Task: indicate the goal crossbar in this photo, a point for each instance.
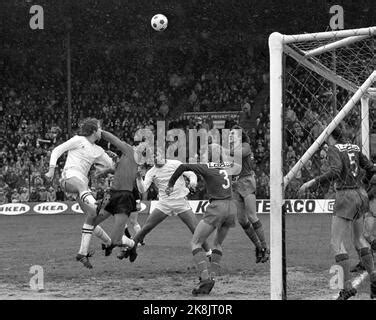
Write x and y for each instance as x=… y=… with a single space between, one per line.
x=334 y=45
x=329 y=35
x=325 y=72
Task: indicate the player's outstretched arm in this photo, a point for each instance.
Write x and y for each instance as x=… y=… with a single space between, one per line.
x=334 y=171
x=306 y=186
x=142 y=188
x=367 y=165
x=246 y=149
x=121 y=145
x=107 y=161
x=100 y=172
x=144 y=185
x=196 y=168
x=192 y=178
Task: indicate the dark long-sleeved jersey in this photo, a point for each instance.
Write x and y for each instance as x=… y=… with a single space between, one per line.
x=126 y=168
x=247 y=164
x=345 y=161
x=218 y=182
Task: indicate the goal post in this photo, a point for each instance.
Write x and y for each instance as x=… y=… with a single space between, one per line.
x=365 y=126
x=306 y=81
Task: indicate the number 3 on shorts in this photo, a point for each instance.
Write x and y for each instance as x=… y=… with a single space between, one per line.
x=227 y=185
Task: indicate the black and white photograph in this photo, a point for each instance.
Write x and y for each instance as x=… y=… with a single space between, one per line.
x=201 y=151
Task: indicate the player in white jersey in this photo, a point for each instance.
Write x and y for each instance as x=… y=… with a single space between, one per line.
x=174 y=204
x=82 y=154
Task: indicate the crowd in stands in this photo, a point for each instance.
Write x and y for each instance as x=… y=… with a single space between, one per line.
x=126 y=94
x=132 y=87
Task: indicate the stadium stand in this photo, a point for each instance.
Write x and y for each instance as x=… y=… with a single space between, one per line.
x=139 y=81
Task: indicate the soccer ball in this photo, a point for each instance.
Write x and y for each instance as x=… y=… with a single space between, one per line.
x=159 y=22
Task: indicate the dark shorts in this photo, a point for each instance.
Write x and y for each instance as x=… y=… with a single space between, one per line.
x=220 y=213
x=118 y=202
x=371 y=191
x=351 y=204
x=372 y=208
x=244 y=186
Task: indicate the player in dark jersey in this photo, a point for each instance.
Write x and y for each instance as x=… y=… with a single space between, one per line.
x=219 y=215
x=167 y=205
x=245 y=198
x=370 y=217
x=369 y=221
x=351 y=203
x=121 y=199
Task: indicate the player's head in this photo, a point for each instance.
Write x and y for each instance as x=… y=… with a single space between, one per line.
x=214 y=152
x=90 y=127
x=338 y=135
x=159 y=158
x=235 y=134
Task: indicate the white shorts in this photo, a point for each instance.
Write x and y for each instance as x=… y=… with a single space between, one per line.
x=173 y=207
x=70 y=173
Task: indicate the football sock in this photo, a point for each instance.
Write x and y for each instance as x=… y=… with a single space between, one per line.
x=126 y=232
x=87 y=197
x=127 y=242
x=250 y=232
x=209 y=253
x=87 y=231
x=200 y=259
x=342 y=260
x=101 y=234
x=215 y=266
x=136 y=227
x=367 y=259
x=373 y=245
x=257 y=226
x=359 y=256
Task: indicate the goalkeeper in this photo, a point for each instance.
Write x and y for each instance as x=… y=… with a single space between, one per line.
x=369 y=221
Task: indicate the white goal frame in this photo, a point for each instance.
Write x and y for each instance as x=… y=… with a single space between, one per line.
x=277 y=48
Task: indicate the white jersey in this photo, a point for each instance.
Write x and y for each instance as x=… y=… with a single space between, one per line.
x=161 y=176
x=82 y=154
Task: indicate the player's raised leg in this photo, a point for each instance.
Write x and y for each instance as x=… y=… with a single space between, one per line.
x=86 y=234
x=117 y=237
x=133 y=222
x=155 y=218
x=133 y=226
x=87 y=203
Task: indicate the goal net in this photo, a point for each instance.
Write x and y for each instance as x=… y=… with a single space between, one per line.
x=317 y=81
